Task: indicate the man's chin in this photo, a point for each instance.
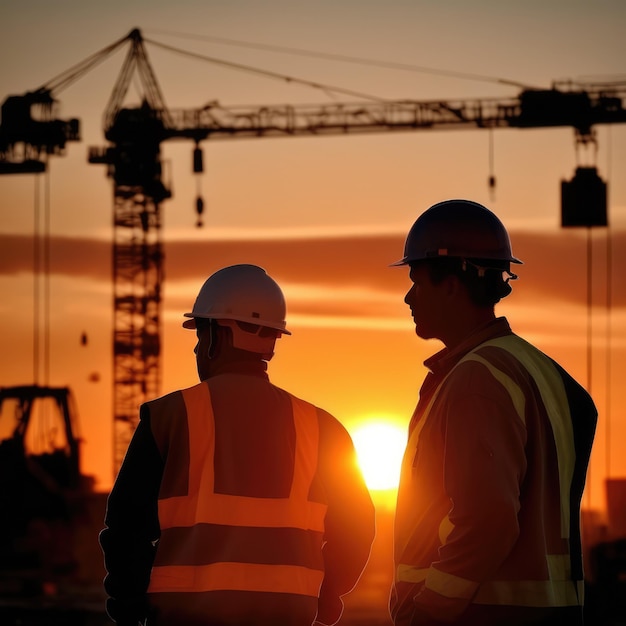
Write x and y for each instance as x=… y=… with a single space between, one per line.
x=421 y=334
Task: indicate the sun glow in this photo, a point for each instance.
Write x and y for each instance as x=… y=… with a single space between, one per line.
x=380 y=445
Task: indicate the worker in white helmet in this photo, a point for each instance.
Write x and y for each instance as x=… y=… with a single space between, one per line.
x=237 y=503
x=487 y=525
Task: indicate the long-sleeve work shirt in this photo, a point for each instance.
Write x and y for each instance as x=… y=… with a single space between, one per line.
x=254 y=458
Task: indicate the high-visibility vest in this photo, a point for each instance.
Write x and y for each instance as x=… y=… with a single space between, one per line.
x=561 y=588
x=215 y=541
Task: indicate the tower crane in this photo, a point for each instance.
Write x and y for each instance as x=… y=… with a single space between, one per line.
x=133 y=161
x=29 y=132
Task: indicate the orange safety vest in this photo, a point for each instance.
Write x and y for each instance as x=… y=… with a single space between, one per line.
x=187 y=561
x=560 y=588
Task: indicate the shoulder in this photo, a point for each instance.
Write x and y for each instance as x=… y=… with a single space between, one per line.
x=330 y=428
x=579 y=398
x=172 y=403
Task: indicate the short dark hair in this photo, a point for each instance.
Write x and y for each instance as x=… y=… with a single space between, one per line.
x=483 y=278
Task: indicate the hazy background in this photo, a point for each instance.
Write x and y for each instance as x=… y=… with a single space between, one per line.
x=324 y=216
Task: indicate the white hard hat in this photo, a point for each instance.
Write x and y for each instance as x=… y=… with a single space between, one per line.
x=242 y=293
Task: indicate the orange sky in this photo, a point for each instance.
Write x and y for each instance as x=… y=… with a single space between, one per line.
x=324 y=216
x=353 y=350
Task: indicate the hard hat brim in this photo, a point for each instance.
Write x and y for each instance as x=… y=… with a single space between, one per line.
x=399 y=263
x=408 y=261
x=191 y=323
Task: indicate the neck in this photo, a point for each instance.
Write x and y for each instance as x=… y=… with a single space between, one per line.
x=466 y=323
x=237 y=361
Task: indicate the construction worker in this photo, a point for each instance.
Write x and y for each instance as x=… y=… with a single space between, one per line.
x=237 y=503
x=487 y=520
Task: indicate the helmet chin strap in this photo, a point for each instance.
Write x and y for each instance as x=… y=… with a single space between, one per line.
x=210 y=351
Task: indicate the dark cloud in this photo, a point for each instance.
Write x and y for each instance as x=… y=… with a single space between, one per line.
x=81 y=258
x=555 y=264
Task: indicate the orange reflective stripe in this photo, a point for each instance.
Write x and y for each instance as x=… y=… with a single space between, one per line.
x=237 y=577
x=296 y=511
x=203 y=506
x=241 y=511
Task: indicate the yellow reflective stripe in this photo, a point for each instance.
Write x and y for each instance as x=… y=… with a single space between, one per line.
x=411 y=446
x=531 y=593
x=236 y=577
x=554 y=398
x=410 y=574
x=445 y=528
x=559 y=566
x=517 y=396
x=449 y=585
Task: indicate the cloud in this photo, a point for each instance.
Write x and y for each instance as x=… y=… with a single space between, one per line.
x=80 y=258
x=354 y=269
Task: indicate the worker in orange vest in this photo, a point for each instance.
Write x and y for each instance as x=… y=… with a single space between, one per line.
x=237 y=503
x=487 y=525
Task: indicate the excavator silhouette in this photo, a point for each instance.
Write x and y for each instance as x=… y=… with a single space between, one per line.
x=40 y=477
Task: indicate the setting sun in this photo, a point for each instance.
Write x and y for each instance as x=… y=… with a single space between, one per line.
x=380 y=446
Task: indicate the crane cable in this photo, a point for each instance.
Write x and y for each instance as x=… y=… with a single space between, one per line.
x=589 y=350
x=41 y=293
x=346 y=58
x=609 y=324
x=608 y=329
x=36 y=277
x=72 y=74
x=247 y=68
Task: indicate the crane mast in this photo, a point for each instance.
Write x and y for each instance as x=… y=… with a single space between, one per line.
x=133 y=160
x=134 y=163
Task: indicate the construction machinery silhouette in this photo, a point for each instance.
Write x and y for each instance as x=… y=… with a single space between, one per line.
x=31 y=133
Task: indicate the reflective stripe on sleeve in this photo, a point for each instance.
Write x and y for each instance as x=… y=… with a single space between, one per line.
x=528 y=593
x=531 y=593
x=410 y=574
x=449 y=585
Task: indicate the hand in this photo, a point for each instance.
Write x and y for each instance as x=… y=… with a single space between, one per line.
x=329 y=609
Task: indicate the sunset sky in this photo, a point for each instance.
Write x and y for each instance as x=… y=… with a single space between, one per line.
x=324 y=216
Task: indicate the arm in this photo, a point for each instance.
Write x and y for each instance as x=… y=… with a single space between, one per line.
x=350 y=522
x=131 y=527
x=484 y=465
